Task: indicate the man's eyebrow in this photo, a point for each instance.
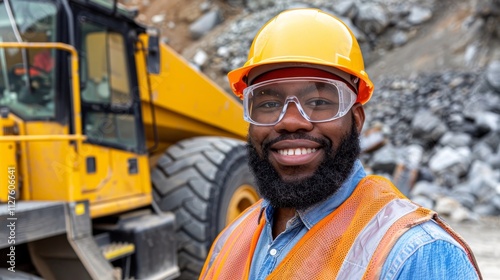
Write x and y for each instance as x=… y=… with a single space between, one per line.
x=310 y=87
x=271 y=90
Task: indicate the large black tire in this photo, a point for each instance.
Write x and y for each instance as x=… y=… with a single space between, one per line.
x=196 y=179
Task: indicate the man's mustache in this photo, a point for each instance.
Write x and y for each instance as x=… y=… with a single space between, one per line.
x=324 y=142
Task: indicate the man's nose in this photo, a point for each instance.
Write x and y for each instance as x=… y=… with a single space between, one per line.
x=292 y=120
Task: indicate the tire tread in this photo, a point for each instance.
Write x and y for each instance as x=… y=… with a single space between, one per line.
x=187 y=181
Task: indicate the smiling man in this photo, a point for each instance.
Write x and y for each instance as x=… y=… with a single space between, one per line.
x=321 y=217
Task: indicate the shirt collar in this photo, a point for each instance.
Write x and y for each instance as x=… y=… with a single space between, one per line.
x=317 y=212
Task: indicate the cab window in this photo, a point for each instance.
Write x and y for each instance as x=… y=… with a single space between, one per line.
x=107 y=98
x=27 y=76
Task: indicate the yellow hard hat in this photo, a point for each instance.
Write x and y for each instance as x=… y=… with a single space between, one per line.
x=307 y=38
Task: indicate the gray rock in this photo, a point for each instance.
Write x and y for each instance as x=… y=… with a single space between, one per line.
x=488 y=120
x=158 y=18
x=457 y=81
x=412 y=156
x=205 y=23
x=470 y=53
x=481 y=151
x=483 y=170
x=492 y=139
x=200 y=58
x=419 y=15
x=455 y=139
x=427 y=126
x=223 y=51
x=425 y=174
x=449 y=159
x=399 y=38
x=467 y=199
x=426 y=189
x=496 y=201
x=385 y=159
x=205 y=6
x=493 y=75
x=483 y=188
x=474 y=106
x=372 y=18
x=494 y=160
x=255 y=5
x=346 y=9
x=449 y=178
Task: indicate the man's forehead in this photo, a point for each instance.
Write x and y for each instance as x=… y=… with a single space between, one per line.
x=292 y=72
x=299 y=72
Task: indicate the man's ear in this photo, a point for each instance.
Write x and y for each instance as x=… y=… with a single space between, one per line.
x=359 y=116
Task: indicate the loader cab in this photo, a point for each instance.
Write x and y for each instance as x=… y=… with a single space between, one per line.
x=78 y=89
x=34 y=83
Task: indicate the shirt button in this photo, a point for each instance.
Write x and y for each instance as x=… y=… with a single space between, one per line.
x=273 y=252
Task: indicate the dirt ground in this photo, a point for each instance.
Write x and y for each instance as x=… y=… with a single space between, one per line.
x=441 y=44
x=177 y=16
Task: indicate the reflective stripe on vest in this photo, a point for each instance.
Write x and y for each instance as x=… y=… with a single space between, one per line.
x=227 y=237
x=361 y=252
x=352 y=242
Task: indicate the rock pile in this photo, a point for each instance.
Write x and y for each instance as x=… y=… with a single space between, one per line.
x=452 y=120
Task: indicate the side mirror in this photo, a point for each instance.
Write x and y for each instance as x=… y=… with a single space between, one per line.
x=153 y=60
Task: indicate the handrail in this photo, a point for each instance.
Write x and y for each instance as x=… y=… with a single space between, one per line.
x=75 y=97
x=33 y=138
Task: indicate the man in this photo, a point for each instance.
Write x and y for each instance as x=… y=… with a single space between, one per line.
x=303 y=89
x=40 y=72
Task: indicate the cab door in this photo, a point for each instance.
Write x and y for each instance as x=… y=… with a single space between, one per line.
x=116 y=169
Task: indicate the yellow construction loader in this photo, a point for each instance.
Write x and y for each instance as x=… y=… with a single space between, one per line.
x=118 y=160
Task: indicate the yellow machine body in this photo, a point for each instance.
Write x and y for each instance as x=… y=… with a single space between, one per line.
x=177 y=103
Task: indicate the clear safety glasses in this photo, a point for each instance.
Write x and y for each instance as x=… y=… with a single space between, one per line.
x=317 y=100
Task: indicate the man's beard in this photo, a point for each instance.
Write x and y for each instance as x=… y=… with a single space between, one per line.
x=325 y=181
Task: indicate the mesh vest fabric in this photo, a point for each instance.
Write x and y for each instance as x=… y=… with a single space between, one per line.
x=376 y=212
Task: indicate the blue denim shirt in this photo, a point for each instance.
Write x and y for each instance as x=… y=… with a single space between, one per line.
x=424 y=252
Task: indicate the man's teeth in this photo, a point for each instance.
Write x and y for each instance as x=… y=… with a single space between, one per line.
x=296 y=152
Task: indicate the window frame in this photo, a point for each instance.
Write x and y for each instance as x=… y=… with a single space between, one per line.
x=129 y=36
x=58 y=112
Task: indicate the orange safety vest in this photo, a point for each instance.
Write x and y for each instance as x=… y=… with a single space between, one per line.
x=352 y=242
